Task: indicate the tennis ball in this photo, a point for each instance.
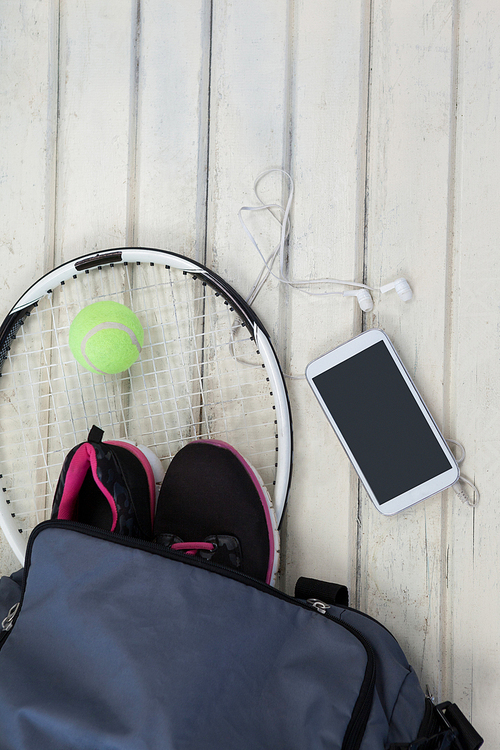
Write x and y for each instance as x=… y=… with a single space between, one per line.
x=106 y=337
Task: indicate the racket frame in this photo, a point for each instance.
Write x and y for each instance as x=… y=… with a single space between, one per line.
x=45 y=284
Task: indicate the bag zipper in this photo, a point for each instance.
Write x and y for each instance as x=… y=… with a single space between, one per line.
x=361 y=711
x=7 y=622
x=355 y=729
x=431 y=723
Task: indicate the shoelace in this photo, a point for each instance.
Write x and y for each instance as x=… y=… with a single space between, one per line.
x=191 y=548
x=221 y=548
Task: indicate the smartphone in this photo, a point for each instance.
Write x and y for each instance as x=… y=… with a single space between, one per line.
x=382 y=422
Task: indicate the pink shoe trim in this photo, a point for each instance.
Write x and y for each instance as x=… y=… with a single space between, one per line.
x=83 y=459
x=146 y=466
x=262 y=495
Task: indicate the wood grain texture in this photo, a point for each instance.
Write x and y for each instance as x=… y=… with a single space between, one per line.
x=474 y=562
x=328 y=151
x=96 y=71
x=168 y=186
x=401 y=558
x=28 y=115
x=147 y=122
x=28 y=103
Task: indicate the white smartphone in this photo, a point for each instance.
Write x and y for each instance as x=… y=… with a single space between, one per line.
x=382 y=422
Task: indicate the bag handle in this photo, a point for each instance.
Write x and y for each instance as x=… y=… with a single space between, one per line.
x=330 y=593
x=457 y=733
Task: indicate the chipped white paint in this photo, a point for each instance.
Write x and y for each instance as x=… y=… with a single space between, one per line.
x=146 y=122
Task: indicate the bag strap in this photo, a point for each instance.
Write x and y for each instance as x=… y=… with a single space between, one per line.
x=457 y=733
x=452 y=715
x=330 y=593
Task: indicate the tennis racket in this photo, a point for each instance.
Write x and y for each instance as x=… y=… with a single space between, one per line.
x=207 y=370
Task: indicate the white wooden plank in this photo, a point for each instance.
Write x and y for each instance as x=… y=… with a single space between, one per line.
x=96 y=125
x=28 y=49
x=401 y=566
x=328 y=93
x=474 y=559
x=172 y=120
x=28 y=41
x=248 y=122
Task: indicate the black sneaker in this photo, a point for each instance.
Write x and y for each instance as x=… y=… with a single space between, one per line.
x=109 y=485
x=213 y=504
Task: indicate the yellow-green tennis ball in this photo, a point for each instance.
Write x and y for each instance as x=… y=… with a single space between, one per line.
x=106 y=337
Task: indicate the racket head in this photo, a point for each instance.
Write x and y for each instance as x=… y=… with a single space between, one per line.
x=207 y=370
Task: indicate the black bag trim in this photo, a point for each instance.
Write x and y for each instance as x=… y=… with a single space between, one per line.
x=361 y=711
x=340 y=603
x=313 y=588
x=456 y=721
x=444 y=727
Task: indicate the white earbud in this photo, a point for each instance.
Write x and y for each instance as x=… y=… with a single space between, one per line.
x=364 y=299
x=402 y=288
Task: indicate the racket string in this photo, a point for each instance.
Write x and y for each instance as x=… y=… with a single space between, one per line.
x=188 y=383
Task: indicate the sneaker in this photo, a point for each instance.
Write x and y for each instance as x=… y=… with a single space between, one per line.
x=110 y=485
x=213 y=504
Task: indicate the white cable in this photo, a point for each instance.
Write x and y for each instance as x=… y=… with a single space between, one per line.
x=280 y=248
x=300 y=283
x=457 y=488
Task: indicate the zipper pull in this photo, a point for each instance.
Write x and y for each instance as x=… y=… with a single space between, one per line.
x=7 y=622
x=319 y=606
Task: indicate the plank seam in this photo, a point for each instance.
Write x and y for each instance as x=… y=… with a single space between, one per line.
x=445 y=680
x=53 y=117
x=131 y=210
x=364 y=196
x=204 y=155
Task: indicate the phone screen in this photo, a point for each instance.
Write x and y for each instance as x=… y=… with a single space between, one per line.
x=381 y=422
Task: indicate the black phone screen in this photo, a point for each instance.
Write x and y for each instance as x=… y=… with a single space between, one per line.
x=381 y=422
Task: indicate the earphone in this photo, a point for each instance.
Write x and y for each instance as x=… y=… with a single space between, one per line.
x=402 y=288
x=362 y=292
x=365 y=300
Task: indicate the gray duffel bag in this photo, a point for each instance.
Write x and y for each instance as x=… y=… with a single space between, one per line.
x=118 y=644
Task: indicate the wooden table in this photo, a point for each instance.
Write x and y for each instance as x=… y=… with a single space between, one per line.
x=145 y=122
